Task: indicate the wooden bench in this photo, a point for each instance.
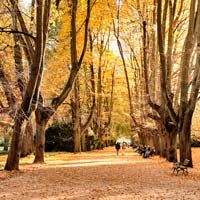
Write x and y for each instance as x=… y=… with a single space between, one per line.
x=178 y=166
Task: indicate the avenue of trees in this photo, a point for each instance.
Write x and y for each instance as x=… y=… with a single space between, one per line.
x=101 y=65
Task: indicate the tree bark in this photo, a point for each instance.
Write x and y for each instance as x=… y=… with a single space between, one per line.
x=42 y=116
x=29 y=101
x=12 y=162
x=76 y=64
x=28 y=140
x=187 y=106
x=76 y=117
x=184 y=139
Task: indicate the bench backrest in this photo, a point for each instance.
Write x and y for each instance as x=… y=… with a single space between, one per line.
x=186 y=162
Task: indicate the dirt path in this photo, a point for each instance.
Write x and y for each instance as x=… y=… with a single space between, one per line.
x=100 y=175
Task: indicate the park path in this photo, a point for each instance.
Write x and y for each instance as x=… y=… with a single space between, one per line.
x=101 y=175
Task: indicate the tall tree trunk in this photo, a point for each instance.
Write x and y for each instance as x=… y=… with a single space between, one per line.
x=167 y=114
x=27 y=144
x=76 y=117
x=172 y=146
x=184 y=139
x=99 y=95
x=187 y=106
x=86 y=126
x=153 y=60
x=28 y=140
x=47 y=112
x=42 y=116
x=29 y=101
x=12 y=162
x=162 y=145
x=156 y=142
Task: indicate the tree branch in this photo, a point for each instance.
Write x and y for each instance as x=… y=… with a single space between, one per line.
x=7 y=89
x=14 y=31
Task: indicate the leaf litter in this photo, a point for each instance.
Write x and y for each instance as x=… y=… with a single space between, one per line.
x=100 y=175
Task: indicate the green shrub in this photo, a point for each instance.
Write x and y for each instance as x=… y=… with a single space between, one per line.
x=1 y=141
x=59 y=137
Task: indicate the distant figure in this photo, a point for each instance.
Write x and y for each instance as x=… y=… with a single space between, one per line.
x=147 y=153
x=123 y=148
x=117 y=147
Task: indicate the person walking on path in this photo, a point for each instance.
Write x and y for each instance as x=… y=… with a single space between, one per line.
x=123 y=148
x=117 y=147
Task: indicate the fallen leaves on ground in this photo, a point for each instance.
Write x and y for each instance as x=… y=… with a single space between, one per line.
x=100 y=175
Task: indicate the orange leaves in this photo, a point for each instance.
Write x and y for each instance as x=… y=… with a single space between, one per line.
x=100 y=175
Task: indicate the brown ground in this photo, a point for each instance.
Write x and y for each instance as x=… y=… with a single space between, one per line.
x=101 y=175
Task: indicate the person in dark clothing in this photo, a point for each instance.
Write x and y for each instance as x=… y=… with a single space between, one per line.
x=117 y=147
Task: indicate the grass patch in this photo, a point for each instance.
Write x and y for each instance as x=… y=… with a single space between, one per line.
x=1 y=167
x=3 y=153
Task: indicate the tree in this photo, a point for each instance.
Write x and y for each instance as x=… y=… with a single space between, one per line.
x=176 y=117
x=43 y=114
x=169 y=18
x=17 y=89
x=27 y=144
x=116 y=28
x=189 y=94
x=80 y=126
x=30 y=98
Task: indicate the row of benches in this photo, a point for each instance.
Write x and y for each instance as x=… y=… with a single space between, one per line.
x=177 y=167
x=145 y=151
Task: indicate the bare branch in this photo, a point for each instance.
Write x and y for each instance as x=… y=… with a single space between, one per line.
x=2 y=30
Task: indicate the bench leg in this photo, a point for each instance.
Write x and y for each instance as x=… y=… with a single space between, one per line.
x=176 y=170
x=185 y=172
